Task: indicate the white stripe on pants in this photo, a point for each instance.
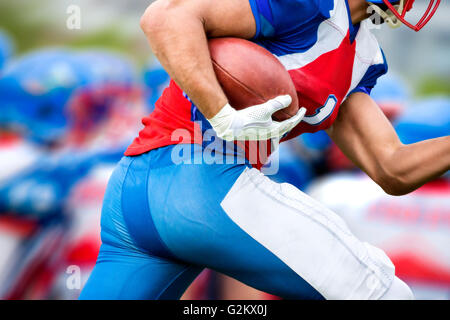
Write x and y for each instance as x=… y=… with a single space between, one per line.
x=311 y=239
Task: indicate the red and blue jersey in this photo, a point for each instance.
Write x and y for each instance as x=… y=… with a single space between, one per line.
x=327 y=57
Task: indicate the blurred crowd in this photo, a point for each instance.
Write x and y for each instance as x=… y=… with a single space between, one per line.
x=66 y=117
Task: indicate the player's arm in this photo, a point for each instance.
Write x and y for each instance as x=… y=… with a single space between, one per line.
x=177 y=31
x=367 y=138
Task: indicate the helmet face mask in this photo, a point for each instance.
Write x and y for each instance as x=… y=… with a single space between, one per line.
x=396 y=10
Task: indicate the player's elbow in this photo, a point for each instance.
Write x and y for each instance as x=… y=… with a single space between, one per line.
x=392 y=181
x=151 y=18
x=390 y=173
x=159 y=14
x=393 y=186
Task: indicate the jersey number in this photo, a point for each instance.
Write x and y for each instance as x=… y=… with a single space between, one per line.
x=323 y=112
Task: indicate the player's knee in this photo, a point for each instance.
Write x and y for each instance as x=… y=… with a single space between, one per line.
x=398 y=291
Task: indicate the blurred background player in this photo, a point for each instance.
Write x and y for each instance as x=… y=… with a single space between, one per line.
x=69 y=106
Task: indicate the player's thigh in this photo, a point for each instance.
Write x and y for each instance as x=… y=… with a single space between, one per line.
x=268 y=235
x=195 y=228
x=124 y=274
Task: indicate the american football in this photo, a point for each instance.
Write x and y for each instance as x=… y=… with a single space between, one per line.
x=250 y=75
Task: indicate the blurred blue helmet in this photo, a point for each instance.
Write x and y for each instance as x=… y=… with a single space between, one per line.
x=155 y=75
x=103 y=67
x=6 y=48
x=36 y=88
x=155 y=79
x=427 y=119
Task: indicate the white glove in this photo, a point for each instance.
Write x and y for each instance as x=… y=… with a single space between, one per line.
x=255 y=122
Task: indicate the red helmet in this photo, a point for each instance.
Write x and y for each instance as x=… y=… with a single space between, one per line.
x=394 y=15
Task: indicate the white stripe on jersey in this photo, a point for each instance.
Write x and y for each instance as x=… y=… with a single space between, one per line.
x=368 y=53
x=330 y=34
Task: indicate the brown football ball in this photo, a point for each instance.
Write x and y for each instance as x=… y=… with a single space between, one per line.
x=250 y=75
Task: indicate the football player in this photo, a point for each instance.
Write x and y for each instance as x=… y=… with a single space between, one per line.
x=168 y=213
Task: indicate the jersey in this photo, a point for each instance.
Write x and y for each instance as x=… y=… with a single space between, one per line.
x=327 y=57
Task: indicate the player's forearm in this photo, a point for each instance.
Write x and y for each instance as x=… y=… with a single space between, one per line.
x=415 y=164
x=367 y=138
x=178 y=39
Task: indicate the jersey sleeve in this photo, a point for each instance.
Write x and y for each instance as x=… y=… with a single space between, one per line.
x=283 y=17
x=369 y=80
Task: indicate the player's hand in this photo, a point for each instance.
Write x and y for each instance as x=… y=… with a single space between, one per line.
x=255 y=123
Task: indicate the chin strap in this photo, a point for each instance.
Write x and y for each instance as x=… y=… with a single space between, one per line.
x=387 y=15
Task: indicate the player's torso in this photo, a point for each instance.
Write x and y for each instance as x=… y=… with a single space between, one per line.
x=331 y=59
x=326 y=58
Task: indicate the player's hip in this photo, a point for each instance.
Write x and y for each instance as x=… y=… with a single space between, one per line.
x=146 y=193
